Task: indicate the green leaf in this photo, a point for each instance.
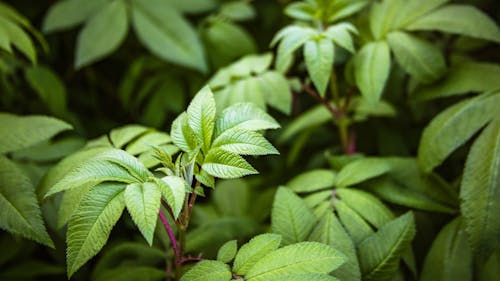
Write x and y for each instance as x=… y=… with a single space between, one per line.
x=330 y=231
x=276 y=91
x=480 y=193
x=453 y=127
x=412 y=10
x=167 y=34
x=372 y=65
x=143 y=204
x=145 y=142
x=292 y=37
x=420 y=58
x=131 y=273
x=245 y=116
x=182 y=135
x=226 y=165
x=20 y=210
x=48 y=86
x=227 y=252
x=291 y=217
x=193 y=6
x=341 y=35
x=18 y=132
x=232 y=197
x=17 y=37
x=380 y=253
x=461 y=79
x=174 y=191
x=303 y=277
x=244 y=143
x=125 y=160
x=208 y=271
x=91 y=224
x=450 y=257
x=313 y=117
x=459 y=19
x=253 y=251
x=355 y=225
x=123 y=135
x=301 y=11
x=237 y=11
x=102 y=34
x=304 y=257
x=201 y=116
x=319 y=57
x=361 y=170
x=367 y=205
x=312 y=181
x=70 y=13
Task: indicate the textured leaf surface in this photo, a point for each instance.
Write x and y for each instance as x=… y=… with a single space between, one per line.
x=459 y=19
x=418 y=57
x=123 y=135
x=380 y=253
x=361 y=170
x=143 y=204
x=353 y=222
x=227 y=251
x=182 y=135
x=367 y=205
x=173 y=189
x=312 y=181
x=91 y=224
x=319 y=56
x=291 y=217
x=226 y=165
x=201 y=116
x=453 y=127
x=20 y=210
x=102 y=34
x=450 y=257
x=480 y=191
x=20 y=132
x=244 y=142
x=67 y=14
x=208 y=271
x=304 y=257
x=257 y=248
x=371 y=69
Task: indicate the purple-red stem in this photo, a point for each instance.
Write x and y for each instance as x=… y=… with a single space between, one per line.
x=352 y=143
x=171 y=235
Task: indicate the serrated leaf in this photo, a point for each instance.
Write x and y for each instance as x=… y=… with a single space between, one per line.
x=312 y=181
x=372 y=65
x=361 y=170
x=245 y=116
x=69 y=13
x=20 y=209
x=479 y=192
x=251 y=252
x=201 y=116
x=319 y=57
x=123 y=135
x=168 y=35
x=208 y=271
x=300 y=258
x=367 y=205
x=226 y=165
x=459 y=19
x=461 y=79
x=420 y=58
x=126 y=161
x=330 y=231
x=341 y=35
x=182 y=135
x=143 y=203
x=102 y=34
x=290 y=217
x=453 y=127
x=91 y=224
x=18 y=132
x=353 y=223
x=450 y=257
x=379 y=254
x=244 y=143
x=227 y=252
x=174 y=190
x=147 y=141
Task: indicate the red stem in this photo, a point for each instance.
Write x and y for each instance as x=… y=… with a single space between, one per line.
x=171 y=236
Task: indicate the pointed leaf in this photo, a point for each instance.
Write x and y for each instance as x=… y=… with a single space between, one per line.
x=208 y=271
x=312 y=181
x=91 y=224
x=201 y=116
x=276 y=91
x=257 y=248
x=227 y=251
x=319 y=57
x=69 y=13
x=340 y=34
x=361 y=170
x=123 y=135
x=291 y=217
x=244 y=143
x=355 y=225
x=182 y=135
x=371 y=69
x=367 y=205
x=174 y=191
x=226 y=165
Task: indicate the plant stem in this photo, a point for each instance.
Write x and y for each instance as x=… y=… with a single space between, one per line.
x=171 y=236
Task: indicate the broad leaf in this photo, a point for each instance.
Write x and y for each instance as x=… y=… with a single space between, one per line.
x=291 y=217
x=361 y=170
x=414 y=10
x=147 y=141
x=102 y=34
x=453 y=127
x=126 y=161
x=20 y=210
x=208 y=271
x=182 y=135
x=21 y=132
x=353 y=222
x=292 y=37
x=309 y=119
x=244 y=143
x=449 y=257
x=341 y=35
x=253 y=251
x=174 y=190
x=418 y=57
x=131 y=273
x=367 y=205
x=312 y=181
x=167 y=34
x=459 y=19
x=303 y=277
x=226 y=165
x=480 y=192
x=201 y=116
x=319 y=57
x=304 y=257
x=143 y=204
x=380 y=253
x=276 y=91
x=227 y=252
x=372 y=66
x=91 y=224
x=121 y=136
x=49 y=88
x=69 y=13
